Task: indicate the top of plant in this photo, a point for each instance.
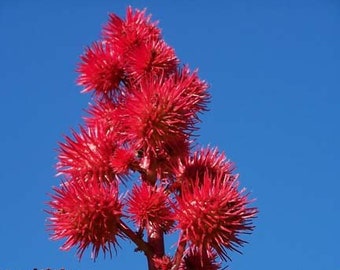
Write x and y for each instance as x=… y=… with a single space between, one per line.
x=144 y=112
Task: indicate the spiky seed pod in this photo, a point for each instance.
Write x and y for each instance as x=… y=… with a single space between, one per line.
x=213 y=214
x=86 y=157
x=151 y=59
x=86 y=214
x=122 y=160
x=161 y=109
x=102 y=113
x=131 y=32
x=148 y=205
x=194 y=91
x=202 y=161
x=100 y=70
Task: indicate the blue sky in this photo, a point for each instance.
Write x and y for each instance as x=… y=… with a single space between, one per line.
x=274 y=71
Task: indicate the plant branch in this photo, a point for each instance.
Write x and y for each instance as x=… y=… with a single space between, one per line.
x=179 y=253
x=136 y=238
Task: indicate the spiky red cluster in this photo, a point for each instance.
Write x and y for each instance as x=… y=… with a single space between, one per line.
x=87 y=156
x=205 y=160
x=212 y=212
x=142 y=121
x=149 y=205
x=86 y=213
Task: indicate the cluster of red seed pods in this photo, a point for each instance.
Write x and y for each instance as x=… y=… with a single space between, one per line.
x=140 y=128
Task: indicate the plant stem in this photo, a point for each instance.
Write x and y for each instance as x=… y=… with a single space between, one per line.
x=156 y=242
x=140 y=243
x=179 y=253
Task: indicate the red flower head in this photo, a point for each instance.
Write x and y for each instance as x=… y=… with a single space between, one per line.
x=86 y=214
x=160 y=110
x=194 y=91
x=149 y=205
x=87 y=156
x=213 y=214
x=123 y=160
x=104 y=114
x=194 y=261
x=153 y=59
x=130 y=33
x=204 y=160
x=101 y=69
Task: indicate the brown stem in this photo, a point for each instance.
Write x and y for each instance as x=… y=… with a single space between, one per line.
x=179 y=253
x=154 y=233
x=140 y=243
x=156 y=241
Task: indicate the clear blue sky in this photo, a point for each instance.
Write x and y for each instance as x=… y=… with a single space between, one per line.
x=274 y=71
